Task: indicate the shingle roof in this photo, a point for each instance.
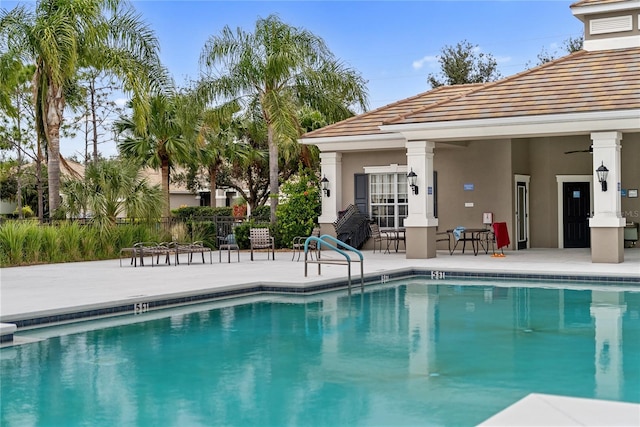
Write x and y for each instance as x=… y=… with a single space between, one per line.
x=580 y=82
x=577 y=83
x=367 y=123
x=594 y=2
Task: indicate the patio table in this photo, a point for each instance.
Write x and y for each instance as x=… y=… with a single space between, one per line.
x=395 y=235
x=473 y=235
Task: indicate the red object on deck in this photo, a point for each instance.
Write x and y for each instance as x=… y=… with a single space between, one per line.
x=502 y=234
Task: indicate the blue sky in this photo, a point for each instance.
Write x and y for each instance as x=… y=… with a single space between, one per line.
x=393 y=44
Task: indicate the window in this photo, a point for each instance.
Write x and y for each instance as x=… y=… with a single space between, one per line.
x=388 y=198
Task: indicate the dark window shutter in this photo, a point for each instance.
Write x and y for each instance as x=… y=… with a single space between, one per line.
x=361 y=182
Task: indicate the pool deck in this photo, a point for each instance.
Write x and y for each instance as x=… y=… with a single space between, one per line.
x=57 y=288
x=54 y=289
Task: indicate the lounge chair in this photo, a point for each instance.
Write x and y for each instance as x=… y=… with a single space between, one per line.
x=197 y=247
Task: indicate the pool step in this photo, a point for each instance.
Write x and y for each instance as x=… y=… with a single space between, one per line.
x=6 y=332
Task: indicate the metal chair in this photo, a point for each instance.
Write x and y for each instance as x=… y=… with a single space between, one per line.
x=260 y=238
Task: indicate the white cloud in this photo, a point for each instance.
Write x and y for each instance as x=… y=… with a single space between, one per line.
x=121 y=102
x=503 y=59
x=429 y=60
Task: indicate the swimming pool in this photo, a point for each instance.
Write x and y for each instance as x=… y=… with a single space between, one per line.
x=414 y=352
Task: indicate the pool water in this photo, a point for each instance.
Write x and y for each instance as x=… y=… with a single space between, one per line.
x=411 y=353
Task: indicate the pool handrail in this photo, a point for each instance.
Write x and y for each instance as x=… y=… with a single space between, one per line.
x=325 y=240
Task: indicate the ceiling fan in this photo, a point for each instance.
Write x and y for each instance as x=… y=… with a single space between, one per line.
x=590 y=150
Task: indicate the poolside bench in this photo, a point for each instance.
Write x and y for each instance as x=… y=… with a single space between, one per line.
x=260 y=238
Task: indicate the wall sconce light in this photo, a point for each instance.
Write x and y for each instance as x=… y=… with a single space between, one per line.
x=602 y=172
x=412 y=178
x=325 y=186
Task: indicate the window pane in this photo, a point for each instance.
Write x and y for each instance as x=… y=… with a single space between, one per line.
x=388 y=198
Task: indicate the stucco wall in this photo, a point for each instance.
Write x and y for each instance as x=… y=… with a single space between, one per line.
x=353 y=163
x=546 y=160
x=490 y=167
x=487 y=166
x=177 y=200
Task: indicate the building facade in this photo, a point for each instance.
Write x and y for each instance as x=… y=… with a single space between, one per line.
x=525 y=149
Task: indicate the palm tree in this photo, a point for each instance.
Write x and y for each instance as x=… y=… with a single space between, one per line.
x=60 y=37
x=217 y=140
x=277 y=69
x=111 y=188
x=166 y=141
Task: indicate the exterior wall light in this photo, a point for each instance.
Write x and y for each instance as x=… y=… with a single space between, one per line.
x=602 y=172
x=412 y=178
x=325 y=186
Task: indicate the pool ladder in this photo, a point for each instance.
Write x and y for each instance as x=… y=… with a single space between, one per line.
x=329 y=242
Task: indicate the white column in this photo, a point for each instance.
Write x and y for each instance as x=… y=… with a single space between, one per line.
x=420 y=160
x=331 y=167
x=607 y=204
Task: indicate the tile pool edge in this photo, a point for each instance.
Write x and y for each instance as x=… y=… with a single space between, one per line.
x=141 y=304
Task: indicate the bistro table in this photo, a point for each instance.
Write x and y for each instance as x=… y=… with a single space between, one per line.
x=395 y=235
x=473 y=235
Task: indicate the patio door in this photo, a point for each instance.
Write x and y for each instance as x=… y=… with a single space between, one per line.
x=575 y=214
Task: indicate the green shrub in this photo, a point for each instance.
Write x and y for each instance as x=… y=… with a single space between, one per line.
x=261 y=213
x=204 y=231
x=27 y=212
x=70 y=238
x=12 y=235
x=241 y=232
x=202 y=212
x=298 y=212
x=50 y=238
x=32 y=243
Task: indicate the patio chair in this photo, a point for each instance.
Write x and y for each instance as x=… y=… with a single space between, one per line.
x=377 y=236
x=445 y=236
x=227 y=243
x=299 y=241
x=260 y=238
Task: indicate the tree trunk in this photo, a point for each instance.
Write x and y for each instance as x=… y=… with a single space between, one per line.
x=213 y=173
x=39 y=181
x=54 y=110
x=165 y=187
x=94 y=120
x=274 y=188
x=19 y=159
